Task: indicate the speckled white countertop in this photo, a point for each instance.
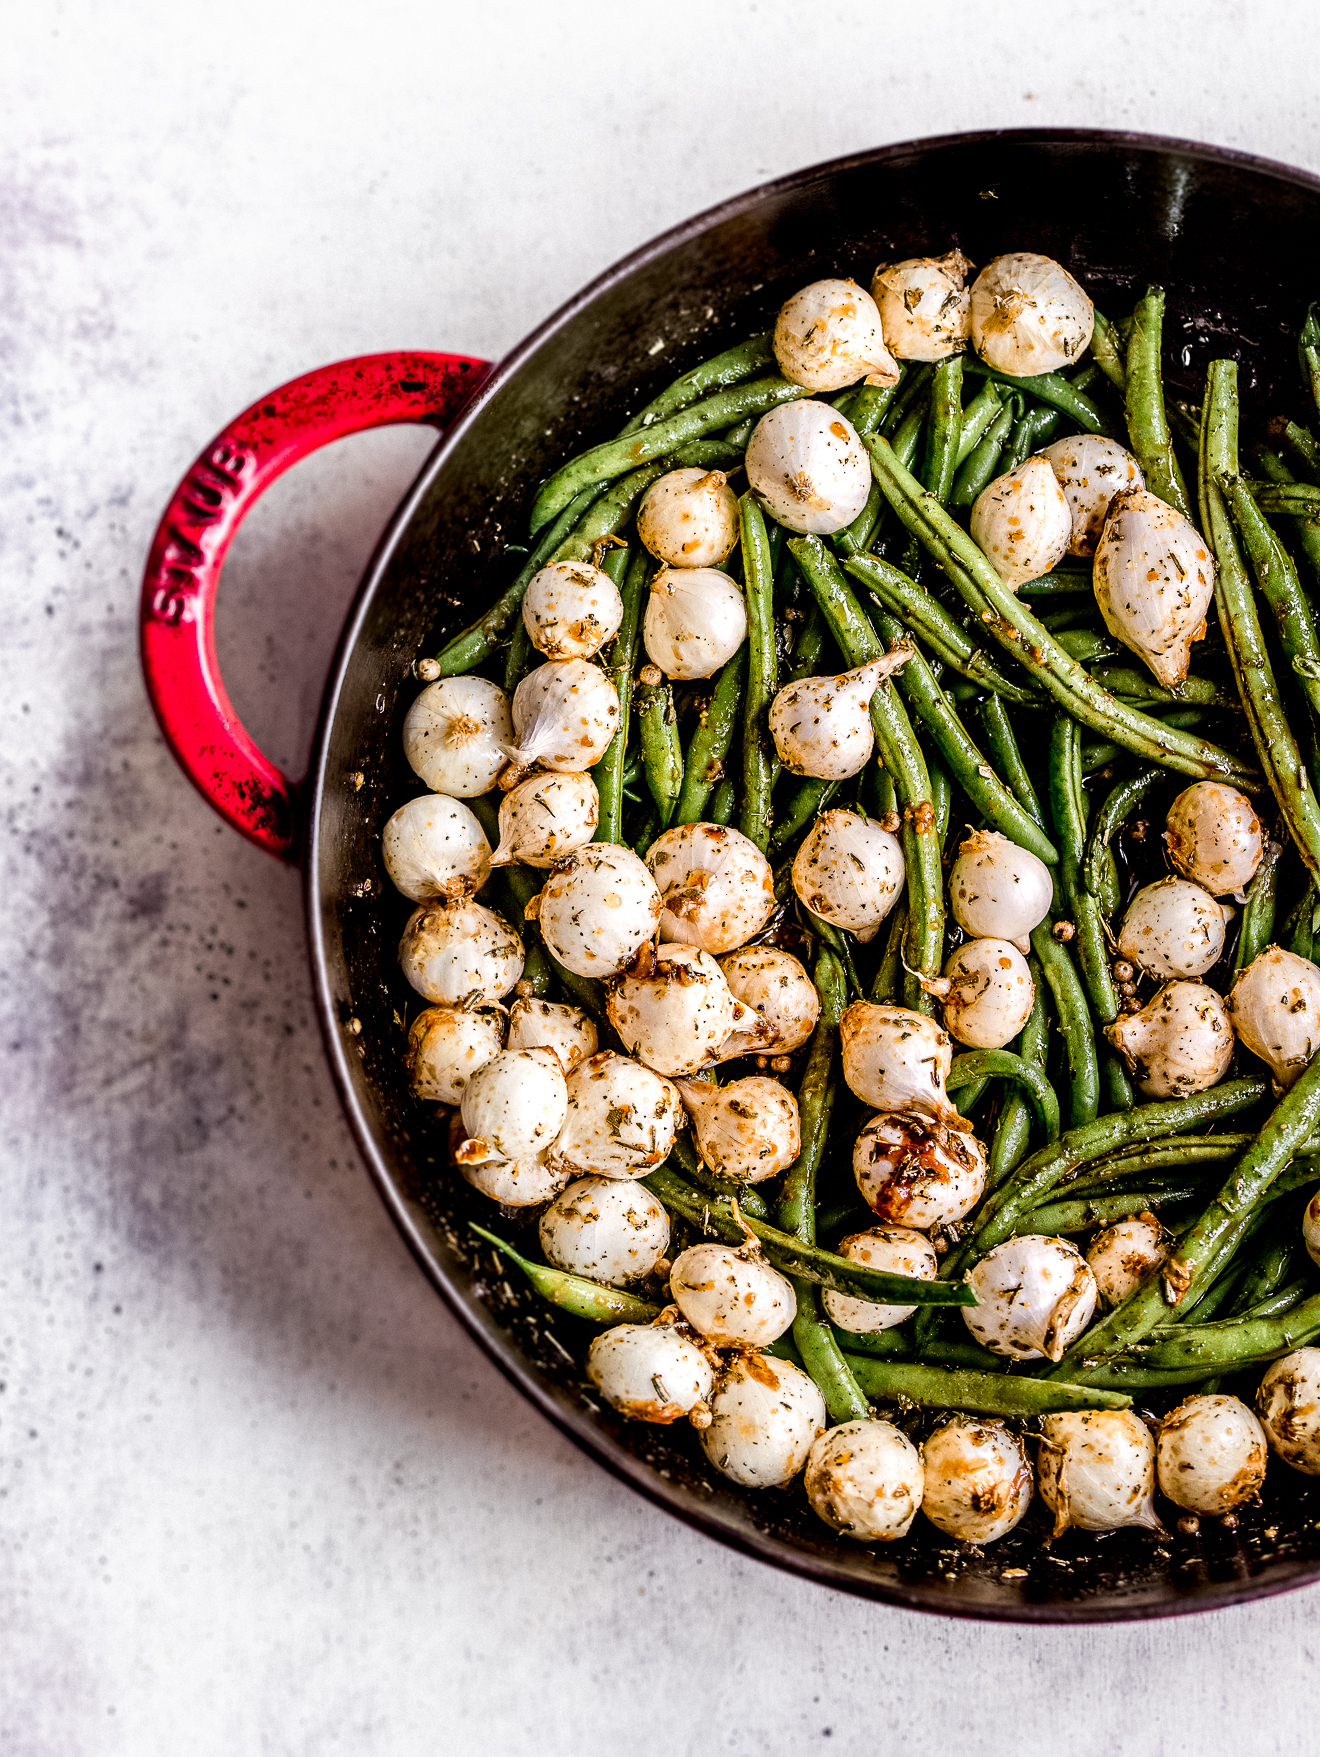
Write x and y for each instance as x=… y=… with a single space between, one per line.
x=257 y=1491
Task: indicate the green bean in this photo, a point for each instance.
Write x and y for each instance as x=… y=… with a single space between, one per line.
x=1026 y=1075
x=1294 y=618
x=840 y=944
x=941 y=796
x=536 y=969
x=982 y=462
x=479 y=639
x=574 y=1293
x=610 y=774
x=1148 y=424
x=981 y=1393
x=1302 y=441
x=856 y=538
x=750 y=1201
x=1054 y=389
x=1107 y=352
x=760 y=760
x=1291 y=1294
x=1308 y=354
x=1012 y=1133
x=1299 y=930
x=911 y=394
x=887 y=987
x=903 y=597
x=1257 y=925
x=730 y=367
x=1132 y=685
x=1003 y=747
x=610 y=511
x=603 y=463
x=1062 y=583
x=978 y=418
x=1074 y=1024
x=709 y=745
x=722 y=804
x=917 y=685
x=1080 y=1214
x=1068 y=809
x=791 y=1257
x=808 y=798
x=1011 y=622
x=1222 y=1224
x=945 y=427
x=1240 y=1341
x=1099 y=873
x=1030 y=432
x=1240 y=625
x=901 y=754
x=662 y=754
x=520 y=658
x=1095 y=756
x=809 y=646
x=1299 y=500
x=1083 y=644
x=1305 y=531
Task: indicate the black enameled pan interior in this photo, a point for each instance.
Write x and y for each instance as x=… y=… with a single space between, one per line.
x=1228 y=237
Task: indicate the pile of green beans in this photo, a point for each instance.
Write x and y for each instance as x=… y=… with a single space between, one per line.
x=1018 y=712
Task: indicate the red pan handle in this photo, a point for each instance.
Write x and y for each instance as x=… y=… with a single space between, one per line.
x=183 y=570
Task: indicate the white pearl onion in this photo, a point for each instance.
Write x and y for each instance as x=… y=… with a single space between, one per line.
x=649 y=1372
x=598 y=911
x=1091 y=471
x=822 y=725
x=1180 y=1042
x=1036 y=1295
x=513 y=1107
x=849 y=872
x=695 y=621
x=546 y=818
x=776 y=985
x=1211 y=1454
x=677 y=1014
x=621 y=1119
x=434 y=846
x=748 y=1130
x=765 y=1414
x=977 y=1479
x=897 y=1059
x=991 y=993
x=917 y=1175
x=733 y=1297
x=1288 y=1404
x=1096 y=1470
x=570 y=609
x=608 y=1229
x=925 y=305
x=896 y=1250
x=808 y=467
x=1124 y=1255
x=865 y=1479
x=998 y=890
x=1214 y=837
x=446 y=1046
x=515 y=1183
x=456 y=733
x=1174 y=928
x=1275 y=1008
x=1023 y=523
x=564 y=715
x=458 y=953
x=716 y=886
x=567 y=1031
x=689 y=518
x=1154 y=579
x=829 y=335
x=1029 y=315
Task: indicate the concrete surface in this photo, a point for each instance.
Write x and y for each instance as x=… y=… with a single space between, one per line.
x=257 y=1492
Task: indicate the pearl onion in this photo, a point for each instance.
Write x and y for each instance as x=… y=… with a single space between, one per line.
x=607 y=1229
x=1179 y=1043
x=822 y=725
x=689 y=518
x=567 y=1031
x=513 y=1107
x=676 y=1015
x=828 y=335
x=695 y=621
x=715 y=883
x=895 y=1250
x=1154 y=580
x=747 y=1131
x=1097 y=1470
x=992 y=994
x=564 y=714
x=1214 y=837
x=446 y=1046
x=455 y=735
x=515 y=1183
x=570 y=609
x=1023 y=523
x=435 y=847
x=1091 y=471
x=650 y=1372
x=865 y=1478
x=849 y=872
x=916 y=1175
x=765 y=1414
x=458 y=953
x=546 y=818
x=1174 y=928
x=621 y=1120
x=776 y=986
x=1211 y=1455
x=897 y=1059
x=1124 y=1255
x=1275 y=1008
x=808 y=467
x=977 y=1479
x=998 y=890
x=1036 y=1295
x=1288 y=1404
x=733 y=1297
x=1029 y=315
x=925 y=305
x=599 y=910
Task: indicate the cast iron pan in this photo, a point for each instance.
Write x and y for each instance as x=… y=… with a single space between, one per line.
x=1221 y=231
